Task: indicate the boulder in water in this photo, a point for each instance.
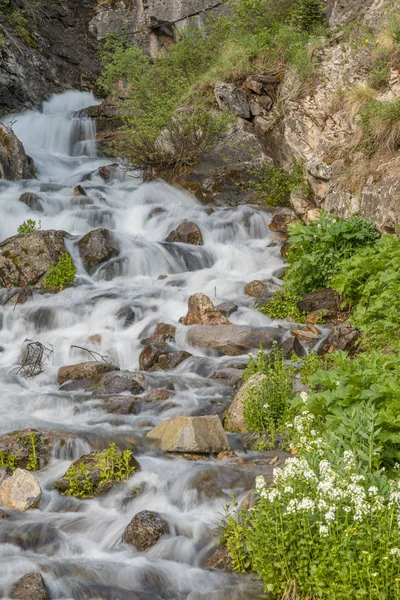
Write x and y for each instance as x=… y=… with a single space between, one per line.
x=120 y=405
x=232 y=340
x=29 y=587
x=220 y=559
x=21 y=491
x=126 y=316
x=282 y=219
x=235 y=420
x=201 y=311
x=24 y=259
x=153 y=358
x=199 y=435
x=19 y=444
x=97 y=247
x=227 y=308
x=32 y=201
x=186 y=233
x=166 y=330
x=157 y=394
x=108 y=384
x=145 y=529
x=79 y=191
x=260 y=289
x=84 y=370
x=14 y=163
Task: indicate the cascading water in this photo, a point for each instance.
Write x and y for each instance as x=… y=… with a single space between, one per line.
x=75 y=544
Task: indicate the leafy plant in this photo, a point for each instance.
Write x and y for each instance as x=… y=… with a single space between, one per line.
x=274 y=186
x=79 y=483
x=33 y=461
x=308 y=14
x=115 y=465
x=60 y=275
x=317 y=248
x=29 y=226
x=7 y=460
x=380 y=123
x=284 y=304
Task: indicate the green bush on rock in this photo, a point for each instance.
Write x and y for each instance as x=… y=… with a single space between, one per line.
x=60 y=275
x=29 y=226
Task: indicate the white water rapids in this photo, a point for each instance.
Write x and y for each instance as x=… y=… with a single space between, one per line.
x=77 y=545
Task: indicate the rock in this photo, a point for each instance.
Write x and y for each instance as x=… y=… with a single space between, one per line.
x=19 y=445
x=200 y=435
x=326 y=299
x=5 y=473
x=229 y=376
x=232 y=340
x=21 y=491
x=120 y=405
x=29 y=587
x=201 y=311
x=305 y=334
x=220 y=559
x=342 y=337
x=32 y=201
x=79 y=191
x=232 y=99
x=167 y=331
x=262 y=84
x=318 y=169
x=300 y=202
x=84 y=370
x=292 y=347
x=24 y=259
x=97 y=247
x=156 y=359
x=145 y=529
x=14 y=163
x=89 y=463
x=282 y=219
x=109 y=384
x=186 y=233
x=157 y=394
x=236 y=421
x=261 y=289
x=227 y=308
x=312 y=215
x=126 y=315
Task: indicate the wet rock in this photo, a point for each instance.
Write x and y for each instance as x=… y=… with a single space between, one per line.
x=14 y=163
x=157 y=359
x=120 y=405
x=232 y=99
x=306 y=334
x=19 y=445
x=29 y=587
x=21 y=491
x=84 y=370
x=89 y=468
x=235 y=419
x=207 y=484
x=166 y=330
x=201 y=435
x=326 y=299
x=291 y=347
x=232 y=340
x=79 y=191
x=186 y=233
x=230 y=376
x=32 y=201
x=260 y=289
x=159 y=341
x=157 y=210
x=97 y=247
x=220 y=559
x=342 y=337
x=119 y=382
x=145 y=529
x=282 y=219
x=127 y=316
x=24 y=259
x=201 y=311
x=158 y=394
x=227 y=308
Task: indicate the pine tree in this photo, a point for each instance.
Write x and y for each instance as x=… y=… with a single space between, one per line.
x=309 y=14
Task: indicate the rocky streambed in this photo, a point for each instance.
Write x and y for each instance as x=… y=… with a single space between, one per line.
x=135 y=365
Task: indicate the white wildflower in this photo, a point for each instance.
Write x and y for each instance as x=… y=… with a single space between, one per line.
x=395 y=551
x=323 y=529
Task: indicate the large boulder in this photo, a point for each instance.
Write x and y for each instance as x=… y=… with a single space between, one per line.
x=200 y=435
x=232 y=340
x=84 y=370
x=236 y=421
x=32 y=201
x=19 y=445
x=14 y=163
x=29 y=587
x=109 y=384
x=232 y=99
x=20 y=491
x=201 y=311
x=24 y=259
x=97 y=247
x=186 y=233
x=145 y=529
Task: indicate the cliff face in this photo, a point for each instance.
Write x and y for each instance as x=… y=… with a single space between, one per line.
x=150 y=24
x=51 y=52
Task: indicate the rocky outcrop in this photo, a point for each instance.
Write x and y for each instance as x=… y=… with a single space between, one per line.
x=24 y=259
x=201 y=311
x=232 y=99
x=57 y=53
x=20 y=491
x=145 y=529
x=231 y=340
x=236 y=420
x=14 y=163
x=29 y=587
x=97 y=247
x=199 y=435
x=186 y=233
x=85 y=370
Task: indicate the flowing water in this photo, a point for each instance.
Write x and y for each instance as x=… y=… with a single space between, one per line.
x=75 y=544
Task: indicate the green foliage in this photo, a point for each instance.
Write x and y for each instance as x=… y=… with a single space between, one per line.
x=309 y=14
x=274 y=186
x=284 y=304
x=380 y=124
x=33 y=461
x=257 y=16
x=7 y=460
x=29 y=226
x=79 y=483
x=115 y=464
x=317 y=248
x=60 y=275
x=370 y=281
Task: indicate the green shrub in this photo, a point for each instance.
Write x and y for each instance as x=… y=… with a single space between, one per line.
x=308 y=14
x=60 y=275
x=317 y=248
x=284 y=304
x=29 y=226
x=380 y=124
x=257 y=16
x=33 y=461
x=7 y=460
x=274 y=186
x=79 y=483
x=370 y=281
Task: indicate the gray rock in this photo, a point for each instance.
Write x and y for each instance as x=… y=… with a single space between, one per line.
x=227 y=308
x=186 y=233
x=29 y=587
x=14 y=163
x=233 y=99
x=32 y=201
x=21 y=491
x=145 y=529
x=200 y=435
x=84 y=370
x=318 y=169
x=97 y=247
x=342 y=337
x=231 y=340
